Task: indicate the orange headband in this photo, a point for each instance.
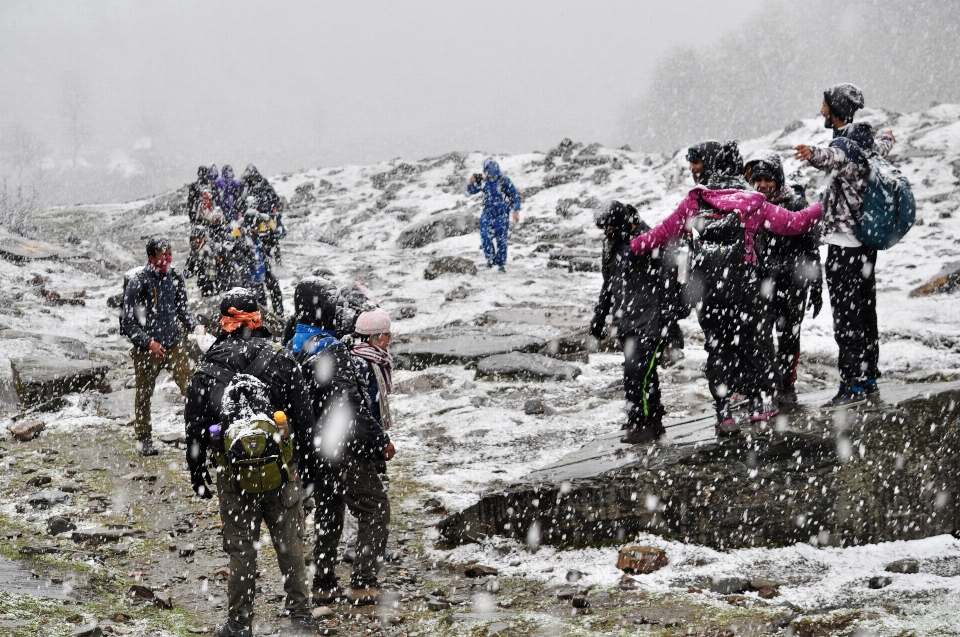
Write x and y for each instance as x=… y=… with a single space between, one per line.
x=239 y=319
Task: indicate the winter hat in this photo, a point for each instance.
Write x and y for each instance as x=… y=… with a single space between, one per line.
x=156 y=245
x=844 y=101
x=202 y=172
x=196 y=232
x=373 y=321
x=492 y=168
x=317 y=302
x=240 y=299
x=212 y=172
x=615 y=214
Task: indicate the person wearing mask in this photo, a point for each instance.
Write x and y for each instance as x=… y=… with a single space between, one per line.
x=632 y=293
x=791 y=264
x=154 y=308
x=720 y=220
x=850 y=266
x=500 y=197
x=244 y=347
x=352 y=444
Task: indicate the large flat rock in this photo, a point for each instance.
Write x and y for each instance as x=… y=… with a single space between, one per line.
x=525 y=367
x=18 y=248
x=462 y=349
x=71 y=346
x=40 y=378
x=556 y=317
x=454 y=224
x=883 y=472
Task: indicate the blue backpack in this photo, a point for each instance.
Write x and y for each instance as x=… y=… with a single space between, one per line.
x=888 y=208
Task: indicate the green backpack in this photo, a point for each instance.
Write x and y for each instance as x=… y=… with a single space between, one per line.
x=255 y=456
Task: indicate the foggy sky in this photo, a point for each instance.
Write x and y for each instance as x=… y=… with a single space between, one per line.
x=290 y=85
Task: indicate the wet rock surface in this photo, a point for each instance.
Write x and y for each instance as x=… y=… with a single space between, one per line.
x=525 y=367
x=461 y=349
x=454 y=224
x=38 y=378
x=449 y=265
x=841 y=478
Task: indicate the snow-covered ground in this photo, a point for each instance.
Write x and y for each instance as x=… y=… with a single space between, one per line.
x=469 y=435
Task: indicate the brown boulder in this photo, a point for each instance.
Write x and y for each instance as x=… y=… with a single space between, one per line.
x=641 y=559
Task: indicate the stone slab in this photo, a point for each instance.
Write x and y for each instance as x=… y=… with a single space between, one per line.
x=882 y=472
x=522 y=366
x=72 y=346
x=16 y=579
x=557 y=317
x=454 y=224
x=40 y=378
x=22 y=249
x=461 y=349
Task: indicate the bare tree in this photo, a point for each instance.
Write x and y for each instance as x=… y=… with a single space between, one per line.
x=20 y=149
x=75 y=102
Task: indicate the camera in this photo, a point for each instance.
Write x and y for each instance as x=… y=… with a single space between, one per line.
x=478 y=178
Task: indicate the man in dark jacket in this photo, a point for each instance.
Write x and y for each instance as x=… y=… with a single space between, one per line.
x=352 y=442
x=154 y=306
x=260 y=195
x=200 y=195
x=500 y=197
x=243 y=347
x=850 y=265
x=791 y=264
x=631 y=293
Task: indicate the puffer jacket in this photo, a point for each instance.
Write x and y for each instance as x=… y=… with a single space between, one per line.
x=846 y=184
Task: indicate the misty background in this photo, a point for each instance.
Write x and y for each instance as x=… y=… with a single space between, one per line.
x=111 y=100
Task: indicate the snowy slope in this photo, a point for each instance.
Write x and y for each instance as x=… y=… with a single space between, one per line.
x=468 y=435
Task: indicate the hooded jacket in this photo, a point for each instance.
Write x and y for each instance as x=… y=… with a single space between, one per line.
x=755 y=211
x=499 y=194
x=848 y=171
x=790 y=196
x=229 y=192
x=264 y=196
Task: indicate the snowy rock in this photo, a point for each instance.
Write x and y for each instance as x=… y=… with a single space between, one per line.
x=641 y=559
x=27 y=430
x=48 y=498
x=903 y=566
x=460 y=349
x=59 y=524
x=449 y=265
x=17 y=248
x=525 y=367
x=880 y=581
x=102 y=535
x=943 y=282
x=421 y=383
x=89 y=630
x=479 y=570
x=729 y=585
x=497 y=628
x=535 y=407
x=808 y=465
x=439 y=228
x=40 y=378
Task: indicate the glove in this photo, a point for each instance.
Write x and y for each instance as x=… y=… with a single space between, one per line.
x=200 y=479
x=598 y=327
x=815 y=294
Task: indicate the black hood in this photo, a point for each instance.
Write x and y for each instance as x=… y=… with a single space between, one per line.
x=317 y=302
x=766 y=162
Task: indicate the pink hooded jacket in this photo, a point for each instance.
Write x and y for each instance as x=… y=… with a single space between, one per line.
x=754 y=209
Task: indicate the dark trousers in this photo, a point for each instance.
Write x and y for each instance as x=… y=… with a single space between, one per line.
x=241 y=515
x=786 y=309
x=276 y=295
x=641 y=380
x=739 y=349
x=352 y=483
x=493 y=237
x=852 y=285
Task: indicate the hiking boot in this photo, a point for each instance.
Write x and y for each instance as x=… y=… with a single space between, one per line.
x=302 y=626
x=762 y=409
x=363 y=596
x=489 y=264
x=323 y=595
x=788 y=398
x=871 y=388
x=727 y=427
x=501 y=269
x=145 y=448
x=643 y=434
x=233 y=629
x=846 y=396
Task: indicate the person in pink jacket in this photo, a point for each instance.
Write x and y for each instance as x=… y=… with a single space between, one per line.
x=720 y=222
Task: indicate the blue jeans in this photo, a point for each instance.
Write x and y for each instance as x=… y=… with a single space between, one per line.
x=494 y=229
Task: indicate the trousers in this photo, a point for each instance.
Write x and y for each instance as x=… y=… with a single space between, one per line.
x=852 y=285
x=494 y=230
x=241 y=515
x=641 y=380
x=352 y=483
x=146 y=368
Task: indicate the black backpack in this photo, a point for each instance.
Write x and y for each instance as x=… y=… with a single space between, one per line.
x=719 y=267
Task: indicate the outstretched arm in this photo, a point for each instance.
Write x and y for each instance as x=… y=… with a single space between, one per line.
x=670 y=229
x=782 y=221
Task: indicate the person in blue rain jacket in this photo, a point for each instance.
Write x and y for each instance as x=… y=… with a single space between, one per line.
x=500 y=197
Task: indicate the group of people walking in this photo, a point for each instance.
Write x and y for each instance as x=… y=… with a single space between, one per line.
x=236 y=228
x=283 y=424
x=754 y=266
